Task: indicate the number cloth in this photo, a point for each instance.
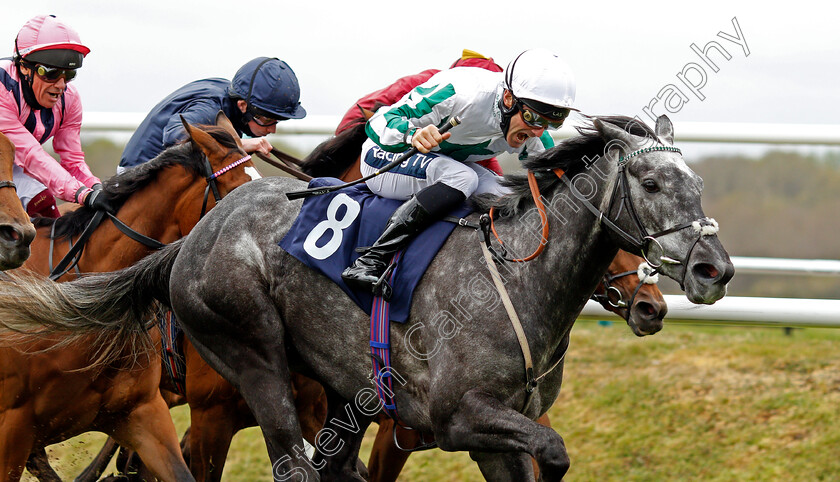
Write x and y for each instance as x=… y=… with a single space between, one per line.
x=330 y=227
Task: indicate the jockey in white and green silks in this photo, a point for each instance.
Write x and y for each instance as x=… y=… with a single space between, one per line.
x=500 y=112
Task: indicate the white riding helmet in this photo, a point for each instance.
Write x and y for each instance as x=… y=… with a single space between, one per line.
x=540 y=75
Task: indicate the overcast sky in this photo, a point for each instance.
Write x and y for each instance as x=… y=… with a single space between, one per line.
x=784 y=69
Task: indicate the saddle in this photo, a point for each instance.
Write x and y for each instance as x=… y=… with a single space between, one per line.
x=330 y=229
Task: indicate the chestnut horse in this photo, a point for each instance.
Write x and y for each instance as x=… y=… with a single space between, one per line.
x=16 y=231
x=50 y=391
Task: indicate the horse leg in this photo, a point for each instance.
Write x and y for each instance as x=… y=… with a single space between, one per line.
x=211 y=430
x=482 y=423
x=38 y=465
x=311 y=405
x=94 y=470
x=149 y=430
x=16 y=441
x=386 y=460
x=258 y=369
x=340 y=440
x=545 y=422
x=505 y=466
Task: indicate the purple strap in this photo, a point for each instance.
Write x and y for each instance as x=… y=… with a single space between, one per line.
x=380 y=347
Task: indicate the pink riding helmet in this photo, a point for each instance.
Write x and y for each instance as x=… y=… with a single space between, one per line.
x=47 y=37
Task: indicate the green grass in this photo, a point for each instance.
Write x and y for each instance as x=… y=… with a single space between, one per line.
x=690 y=403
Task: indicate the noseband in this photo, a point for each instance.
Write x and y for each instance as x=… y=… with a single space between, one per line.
x=612 y=295
x=8 y=184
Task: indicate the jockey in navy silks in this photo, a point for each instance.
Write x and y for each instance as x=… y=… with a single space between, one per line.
x=263 y=91
x=509 y=112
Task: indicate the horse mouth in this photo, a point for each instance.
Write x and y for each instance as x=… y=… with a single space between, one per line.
x=646 y=318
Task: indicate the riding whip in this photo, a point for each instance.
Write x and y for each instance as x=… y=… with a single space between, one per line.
x=407 y=154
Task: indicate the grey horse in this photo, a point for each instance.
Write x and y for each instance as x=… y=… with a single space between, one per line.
x=254 y=312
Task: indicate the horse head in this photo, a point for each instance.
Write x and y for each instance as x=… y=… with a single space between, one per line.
x=629 y=290
x=223 y=158
x=655 y=210
x=16 y=230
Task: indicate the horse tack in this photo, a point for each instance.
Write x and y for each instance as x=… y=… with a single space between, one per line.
x=71 y=259
x=613 y=296
x=535 y=193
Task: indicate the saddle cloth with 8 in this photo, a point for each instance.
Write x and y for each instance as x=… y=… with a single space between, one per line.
x=330 y=227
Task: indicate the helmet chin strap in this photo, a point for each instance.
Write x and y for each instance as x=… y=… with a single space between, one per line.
x=28 y=91
x=507 y=113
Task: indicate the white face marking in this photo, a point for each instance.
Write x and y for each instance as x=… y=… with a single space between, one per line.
x=252 y=171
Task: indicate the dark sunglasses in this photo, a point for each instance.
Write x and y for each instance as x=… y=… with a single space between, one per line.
x=260 y=119
x=537 y=121
x=264 y=121
x=52 y=74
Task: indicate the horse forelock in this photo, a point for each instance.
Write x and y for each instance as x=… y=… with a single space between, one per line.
x=118 y=189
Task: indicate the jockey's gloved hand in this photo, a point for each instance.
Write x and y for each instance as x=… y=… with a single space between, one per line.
x=97 y=200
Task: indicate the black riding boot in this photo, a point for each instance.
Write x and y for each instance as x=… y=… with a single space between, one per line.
x=409 y=220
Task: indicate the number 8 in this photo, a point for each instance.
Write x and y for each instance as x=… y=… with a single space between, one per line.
x=332 y=224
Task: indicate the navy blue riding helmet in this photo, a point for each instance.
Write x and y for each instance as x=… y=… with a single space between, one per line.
x=270 y=88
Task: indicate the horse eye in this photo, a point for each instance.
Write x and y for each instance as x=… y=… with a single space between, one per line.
x=650 y=185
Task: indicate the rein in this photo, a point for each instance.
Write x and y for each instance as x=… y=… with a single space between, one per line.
x=535 y=192
x=71 y=259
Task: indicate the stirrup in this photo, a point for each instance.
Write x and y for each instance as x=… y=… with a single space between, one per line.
x=382 y=287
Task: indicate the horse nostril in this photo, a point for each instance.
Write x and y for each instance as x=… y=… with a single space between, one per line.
x=10 y=234
x=706 y=270
x=650 y=310
x=646 y=309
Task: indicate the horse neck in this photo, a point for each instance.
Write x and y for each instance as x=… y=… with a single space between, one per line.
x=156 y=210
x=577 y=255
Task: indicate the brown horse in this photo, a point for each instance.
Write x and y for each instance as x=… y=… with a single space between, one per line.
x=16 y=231
x=641 y=304
x=50 y=392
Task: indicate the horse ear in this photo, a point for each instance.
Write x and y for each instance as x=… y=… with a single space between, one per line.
x=367 y=113
x=665 y=130
x=203 y=140
x=225 y=123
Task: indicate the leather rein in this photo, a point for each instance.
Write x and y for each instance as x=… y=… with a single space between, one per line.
x=71 y=259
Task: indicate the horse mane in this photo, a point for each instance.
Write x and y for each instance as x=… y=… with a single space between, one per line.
x=569 y=155
x=120 y=187
x=335 y=155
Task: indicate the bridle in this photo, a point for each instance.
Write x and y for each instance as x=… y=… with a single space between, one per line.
x=703 y=226
x=8 y=184
x=612 y=296
x=642 y=243
x=71 y=259
x=211 y=177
